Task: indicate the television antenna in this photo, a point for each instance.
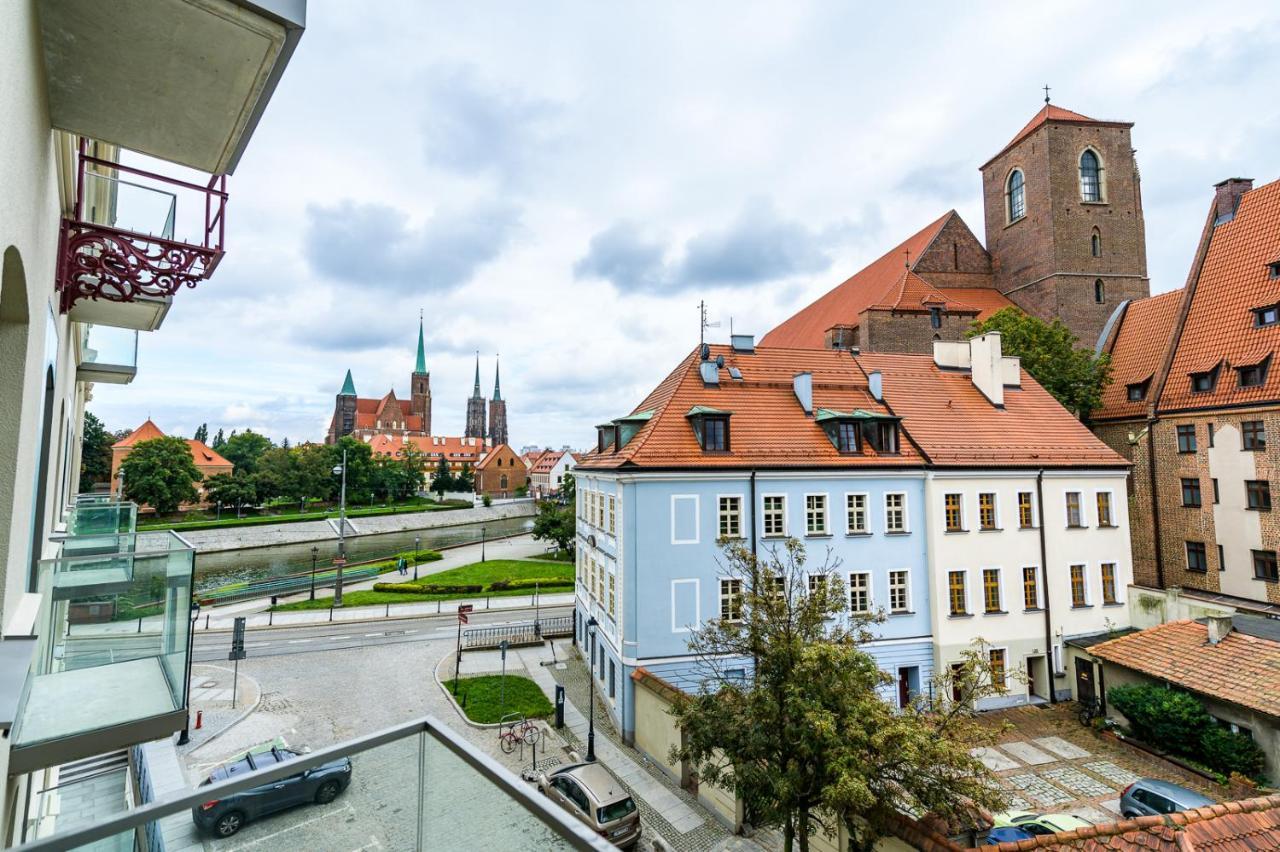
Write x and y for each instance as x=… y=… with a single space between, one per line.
x=703 y=325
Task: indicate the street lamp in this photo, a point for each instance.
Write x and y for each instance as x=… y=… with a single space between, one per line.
x=342 y=531
x=482 y=544
x=314 y=550
x=417 y=546
x=191 y=637
x=591 y=686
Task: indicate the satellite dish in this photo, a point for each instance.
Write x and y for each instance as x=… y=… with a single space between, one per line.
x=720 y=361
x=706 y=351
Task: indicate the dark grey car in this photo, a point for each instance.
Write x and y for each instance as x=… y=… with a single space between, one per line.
x=1148 y=797
x=224 y=817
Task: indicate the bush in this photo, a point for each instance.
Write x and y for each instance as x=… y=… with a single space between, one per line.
x=428 y=588
x=1165 y=718
x=487 y=500
x=423 y=556
x=1227 y=752
x=530 y=583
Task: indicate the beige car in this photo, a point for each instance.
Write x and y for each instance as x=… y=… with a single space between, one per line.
x=593 y=795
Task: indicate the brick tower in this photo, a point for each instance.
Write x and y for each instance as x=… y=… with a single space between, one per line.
x=497 y=411
x=344 y=410
x=475 y=408
x=420 y=385
x=1064 y=220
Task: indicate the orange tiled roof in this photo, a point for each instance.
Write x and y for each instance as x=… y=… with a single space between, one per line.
x=146 y=432
x=1049 y=113
x=954 y=424
x=1241 y=669
x=913 y=293
x=1232 y=281
x=547 y=461
x=453 y=449
x=495 y=453
x=206 y=456
x=1139 y=348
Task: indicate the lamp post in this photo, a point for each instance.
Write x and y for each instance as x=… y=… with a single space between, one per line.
x=417 y=546
x=482 y=544
x=314 y=551
x=191 y=637
x=591 y=692
x=342 y=531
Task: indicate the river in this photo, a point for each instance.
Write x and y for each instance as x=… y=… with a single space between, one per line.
x=262 y=563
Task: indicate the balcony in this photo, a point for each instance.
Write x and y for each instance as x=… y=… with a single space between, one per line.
x=99 y=526
x=109 y=663
x=107 y=355
x=430 y=789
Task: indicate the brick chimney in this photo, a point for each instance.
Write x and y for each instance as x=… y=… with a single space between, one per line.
x=1227 y=197
x=1219 y=626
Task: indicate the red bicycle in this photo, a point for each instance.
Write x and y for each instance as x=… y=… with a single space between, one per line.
x=514 y=730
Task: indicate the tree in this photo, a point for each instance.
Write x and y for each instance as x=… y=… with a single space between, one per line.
x=95 y=453
x=443 y=479
x=793 y=718
x=277 y=475
x=228 y=489
x=569 y=490
x=315 y=472
x=202 y=433
x=413 y=461
x=1074 y=376
x=245 y=449
x=160 y=473
x=360 y=468
x=555 y=523
x=218 y=441
x=465 y=480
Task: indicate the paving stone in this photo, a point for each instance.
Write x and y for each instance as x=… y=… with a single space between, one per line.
x=1076 y=781
x=994 y=759
x=1097 y=816
x=1017 y=803
x=1038 y=789
x=1112 y=805
x=1108 y=770
x=1028 y=753
x=1061 y=747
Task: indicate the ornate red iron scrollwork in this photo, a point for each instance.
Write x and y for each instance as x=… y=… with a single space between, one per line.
x=103 y=263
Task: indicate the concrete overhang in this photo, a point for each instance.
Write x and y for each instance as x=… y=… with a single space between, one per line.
x=144 y=313
x=182 y=80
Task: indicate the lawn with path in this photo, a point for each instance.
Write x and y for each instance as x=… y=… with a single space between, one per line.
x=487 y=698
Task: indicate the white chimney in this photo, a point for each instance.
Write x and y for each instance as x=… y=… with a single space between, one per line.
x=875 y=383
x=988 y=366
x=803 y=385
x=1219 y=626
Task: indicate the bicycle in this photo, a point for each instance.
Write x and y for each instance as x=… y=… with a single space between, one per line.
x=1090 y=710
x=519 y=731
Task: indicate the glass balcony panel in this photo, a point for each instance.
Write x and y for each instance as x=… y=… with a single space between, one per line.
x=129 y=205
x=107 y=354
x=104 y=517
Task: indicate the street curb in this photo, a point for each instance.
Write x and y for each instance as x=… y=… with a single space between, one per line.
x=384 y=618
x=237 y=720
x=435 y=674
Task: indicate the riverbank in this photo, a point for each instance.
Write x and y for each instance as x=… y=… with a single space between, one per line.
x=268 y=535
x=296 y=517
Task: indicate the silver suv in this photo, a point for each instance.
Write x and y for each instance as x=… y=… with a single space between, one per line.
x=1149 y=796
x=593 y=795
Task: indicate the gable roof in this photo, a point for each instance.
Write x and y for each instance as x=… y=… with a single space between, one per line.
x=435 y=446
x=547 y=461
x=498 y=452
x=1052 y=113
x=146 y=432
x=205 y=456
x=913 y=293
x=1138 y=349
x=1241 y=669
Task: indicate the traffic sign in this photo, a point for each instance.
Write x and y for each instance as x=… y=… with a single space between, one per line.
x=237 y=640
x=463 y=609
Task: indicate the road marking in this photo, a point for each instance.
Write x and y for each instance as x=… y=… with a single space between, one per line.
x=296 y=641
x=260 y=840
x=375 y=634
x=411 y=631
x=336 y=638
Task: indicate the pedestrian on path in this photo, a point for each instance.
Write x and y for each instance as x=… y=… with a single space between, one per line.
x=402 y=566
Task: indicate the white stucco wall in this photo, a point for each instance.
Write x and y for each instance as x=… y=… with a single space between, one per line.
x=1238 y=529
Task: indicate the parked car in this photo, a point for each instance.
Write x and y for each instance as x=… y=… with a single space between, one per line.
x=1007 y=834
x=1035 y=823
x=224 y=817
x=593 y=795
x=1149 y=796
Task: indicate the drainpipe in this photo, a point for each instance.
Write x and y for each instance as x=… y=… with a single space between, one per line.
x=753 y=513
x=1155 y=504
x=1044 y=573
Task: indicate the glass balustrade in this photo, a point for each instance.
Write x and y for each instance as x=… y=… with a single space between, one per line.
x=99 y=527
x=107 y=354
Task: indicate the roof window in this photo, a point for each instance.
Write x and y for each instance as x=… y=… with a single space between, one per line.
x=847 y=430
x=1254 y=375
x=1137 y=391
x=1206 y=381
x=711 y=428
x=1265 y=316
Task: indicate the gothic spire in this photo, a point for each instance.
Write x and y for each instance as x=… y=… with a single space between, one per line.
x=348 y=386
x=421 y=366
x=497 y=381
x=475 y=394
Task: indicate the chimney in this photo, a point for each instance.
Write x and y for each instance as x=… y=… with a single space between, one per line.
x=803 y=385
x=987 y=366
x=1219 y=626
x=875 y=382
x=1227 y=198
x=743 y=342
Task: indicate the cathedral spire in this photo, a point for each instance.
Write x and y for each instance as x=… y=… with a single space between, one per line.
x=497 y=381
x=421 y=366
x=475 y=394
x=348 y=386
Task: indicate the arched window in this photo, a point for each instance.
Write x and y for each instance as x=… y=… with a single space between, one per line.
x=1015 y=196
x=1090 y=177
x=502 y=482
x=1095 y=243
x=1099 y=291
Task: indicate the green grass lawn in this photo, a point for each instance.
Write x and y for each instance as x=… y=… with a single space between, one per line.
x=481 y=698
x=558 y=556
x=294 y=517
x=477 y=573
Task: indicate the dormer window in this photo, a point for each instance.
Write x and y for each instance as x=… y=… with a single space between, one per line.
x=1137 y=391
x=711 y=428
x=605 y=437
x=935 y=317
x=1273 y=269
x=848 y=437
x=1270 y=315
x=1254 y=375
x=847 y=430
x=1204 y=382
x=884 y=437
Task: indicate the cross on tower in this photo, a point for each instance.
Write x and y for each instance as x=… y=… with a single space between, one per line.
x=1046 y=93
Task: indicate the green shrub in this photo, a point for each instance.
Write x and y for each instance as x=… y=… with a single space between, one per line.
x=423 y=556
x=488 y=501
x=530 y=583
x=1227 y=752
x=1165 y=718
x=428 y=588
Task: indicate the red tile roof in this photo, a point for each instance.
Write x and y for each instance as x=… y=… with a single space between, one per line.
x=1138 y=351
x=954 y=424
x=146 y=432
x=913 y=293
x=1233 y=280
x=502 y=451
x=547 y=461
x=205 y=456
x=452 y=449
x=1241 y=669
x=1049 y=113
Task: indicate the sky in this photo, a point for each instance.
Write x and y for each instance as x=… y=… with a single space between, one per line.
x=560 y=184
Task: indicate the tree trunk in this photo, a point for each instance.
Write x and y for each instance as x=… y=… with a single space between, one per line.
x=802 y=828
x=788 y=835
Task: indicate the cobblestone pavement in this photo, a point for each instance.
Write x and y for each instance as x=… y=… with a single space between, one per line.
x=212 y=690
x=1060 y=766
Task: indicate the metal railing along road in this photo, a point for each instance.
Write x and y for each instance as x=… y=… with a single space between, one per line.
x=525 y=632
x=463 y=799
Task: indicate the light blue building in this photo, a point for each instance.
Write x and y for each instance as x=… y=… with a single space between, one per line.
x=761 y=446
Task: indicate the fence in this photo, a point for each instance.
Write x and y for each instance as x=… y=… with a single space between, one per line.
x=521 y=633
x=209 y=621
x=285 y=585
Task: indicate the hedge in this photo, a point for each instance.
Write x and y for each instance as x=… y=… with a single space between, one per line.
x=530 y=583
x=428 y=588
x=1227 y=751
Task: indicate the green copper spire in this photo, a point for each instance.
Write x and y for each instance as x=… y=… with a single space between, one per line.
x=497 y=382
x=475 y=394
x=348 y=387
x=422 y=350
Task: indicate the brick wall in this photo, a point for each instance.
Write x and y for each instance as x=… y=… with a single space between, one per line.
x=955 y=258
x=893 y=331
x=1129 y=440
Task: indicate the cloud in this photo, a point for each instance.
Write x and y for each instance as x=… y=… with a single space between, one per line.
x=944 y=181
x=759 y=245
x=374 y=245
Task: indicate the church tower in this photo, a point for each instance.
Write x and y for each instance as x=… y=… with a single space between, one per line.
x=420 y=385
x=475 y=408
x=344 y=411
x=497 y=411
x=1065 y=231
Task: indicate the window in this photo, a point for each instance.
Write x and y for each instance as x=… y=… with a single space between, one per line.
x=860 y=592
x=613 y=597
x=1187 y=438
x=991 y=589
x=775 y=516
x=1090 y=177
x=1209 y=430
x=1258 y=492
x=895 y=513
x=1026 y=515
x=1196 y=559
x=954 y=513
x=856 y=514
x=1015 y=196
x=1109 y=583
x=1204 y=382
x=935 y=317
x=1079 y=592
x=1253 y=435
x=613 y=513
x=987 y=511
x=1264 y=566
x=730 y=517
x=1254 y=375
x=847 y=438
x=883 y=437
x=816 y=582
x=1270 y=315
x=1031 y=588
x=613 y=675
x=730 y=600
x=715 y=434
x=1222 y=560
x=999 y=671
x=1104 y=509
x=1095 y=244
x=815 y=514
x=502 y=482
x=958 y=595
x=1099 y=291
x=1074 y=518
x=1137 y=392
x=1191 y=492
x=899 y=598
